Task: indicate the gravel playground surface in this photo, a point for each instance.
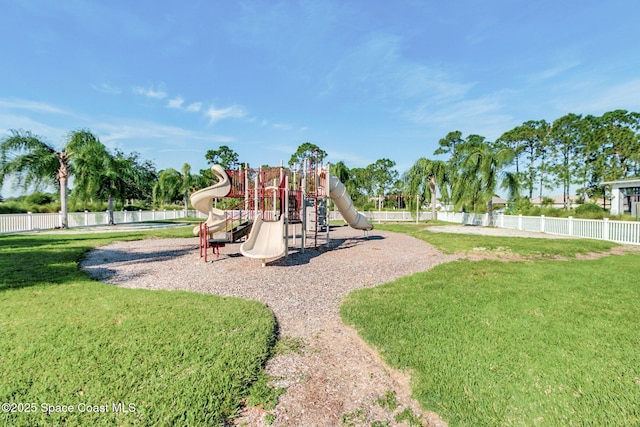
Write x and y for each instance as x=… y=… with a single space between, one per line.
x=335 y=374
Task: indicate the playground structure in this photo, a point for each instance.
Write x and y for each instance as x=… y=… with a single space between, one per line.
x=262 y=204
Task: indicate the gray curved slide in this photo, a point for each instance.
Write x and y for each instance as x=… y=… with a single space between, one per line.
x=341 y=198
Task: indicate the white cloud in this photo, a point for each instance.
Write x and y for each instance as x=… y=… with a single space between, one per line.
x=146 y=136
x=175 y=103
x=597 y=99
x=150 y=93
x=216 y=115
x=351 y=159
x=37 y=107
x=107 y=88
x=54 y=134
x=554 y=71
x=194 y=107
x=282 y=126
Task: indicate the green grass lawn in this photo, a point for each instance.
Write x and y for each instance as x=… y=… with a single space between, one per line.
x=529 y=247
x=544 y=342
x=168 y=358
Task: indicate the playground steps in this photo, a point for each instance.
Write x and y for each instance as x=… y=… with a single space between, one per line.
x=239 y=231
x=232 y=236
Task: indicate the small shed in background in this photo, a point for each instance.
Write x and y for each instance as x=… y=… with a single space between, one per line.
x=625 y=196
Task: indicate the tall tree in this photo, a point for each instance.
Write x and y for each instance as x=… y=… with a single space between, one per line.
x=566 y=150
x=449 y=143
x=306 y=151
x=464 y=189
x=484 y=168
x=188 y=183
x=528 y=139
x=424 y=178
x=382 y=176
x=144 y=177
x=358 y=185
x=617 y=142
x=340 y=171
x=88 y=166
x=101 y=174
x=223 y=156
x=32 y=161
x=169 y=187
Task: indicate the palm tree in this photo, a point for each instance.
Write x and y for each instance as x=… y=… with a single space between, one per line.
x=465 y=186
x=97 y=172
x=425 y=177
x=116 y=174
x=188 y=183
x=340 y=171
x=35 y=162
x=168 y=188
x=483 y=168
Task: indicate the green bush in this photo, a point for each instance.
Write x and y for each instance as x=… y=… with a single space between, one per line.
x=522 y=206
x=369 y=206
x=590 y=210
x=555 y=212
x=134 y=208
x=11 y=207
x=39 y=198
x=547 y=202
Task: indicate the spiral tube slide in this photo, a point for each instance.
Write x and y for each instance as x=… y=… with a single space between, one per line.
x=201 y=200
x=341 y=198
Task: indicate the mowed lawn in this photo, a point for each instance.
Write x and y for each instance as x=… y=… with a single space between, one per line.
x=549 y=341
x=78 y=352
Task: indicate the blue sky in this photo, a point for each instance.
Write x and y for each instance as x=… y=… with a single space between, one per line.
x=364 y=80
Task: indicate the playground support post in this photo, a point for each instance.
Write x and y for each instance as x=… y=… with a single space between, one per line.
x=316 y=175
x=327 y=187
x=246 y=187
x=285 y=208
x=256 y=205
x=303 y=230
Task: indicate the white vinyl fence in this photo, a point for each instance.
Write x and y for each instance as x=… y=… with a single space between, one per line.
x=605 y=229
x=14 y=223
x=385 y=216
x=615 y=231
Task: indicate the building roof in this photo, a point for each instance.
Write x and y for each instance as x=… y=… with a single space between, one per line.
x=558 y=198
x=498 y=200
x=627 y=182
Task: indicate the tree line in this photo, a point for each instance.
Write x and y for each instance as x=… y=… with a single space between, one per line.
x=572 y=151
x=526 y=161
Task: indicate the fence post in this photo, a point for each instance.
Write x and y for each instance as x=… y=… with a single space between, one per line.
x=106 y=219
x=29 y=220
x=542 y=223
x=86 y=217
x=605 y=229
x=140 y=210
x=570 y=225
x=520 y=222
